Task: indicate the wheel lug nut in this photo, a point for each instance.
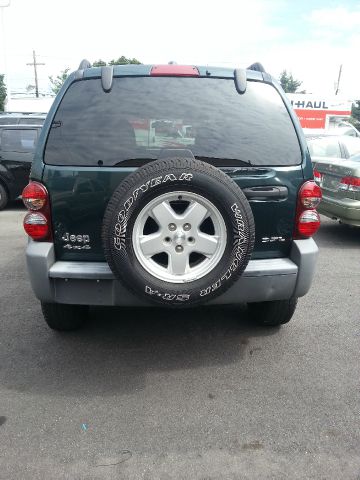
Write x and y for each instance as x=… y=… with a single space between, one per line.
x=179 y=249
x=186 y=227
x=172 y=227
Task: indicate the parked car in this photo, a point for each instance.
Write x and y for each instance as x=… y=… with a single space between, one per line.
x=227 y=218
x=344 y=128
x=325 y=146
x=22 y=118
x=336 y=162
x=17 y=146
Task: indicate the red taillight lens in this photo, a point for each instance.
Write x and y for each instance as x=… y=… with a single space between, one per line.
x=352 y=184
x=310 y=195
x=317 y=176
x=308 y=223
x=307 y=218
x=36 y=226
x=34 y=196
x=37 y=222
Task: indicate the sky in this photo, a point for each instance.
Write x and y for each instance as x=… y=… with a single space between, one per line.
x=311 y=39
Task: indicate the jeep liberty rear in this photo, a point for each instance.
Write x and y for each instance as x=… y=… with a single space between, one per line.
x=170 y=185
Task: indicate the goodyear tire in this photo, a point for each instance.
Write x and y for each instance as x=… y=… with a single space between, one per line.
x=178 y=232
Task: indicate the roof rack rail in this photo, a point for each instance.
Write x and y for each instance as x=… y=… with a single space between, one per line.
x=257 y=67
x=84 y=64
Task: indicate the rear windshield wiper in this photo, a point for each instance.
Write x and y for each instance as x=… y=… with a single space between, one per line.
x=223 y=161
x=219 y=161
x=133 y=161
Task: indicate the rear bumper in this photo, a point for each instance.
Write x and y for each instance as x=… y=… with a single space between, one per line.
x=93 y=283
x=347 y=210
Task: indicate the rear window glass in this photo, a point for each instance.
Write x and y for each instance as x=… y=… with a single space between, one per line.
x=141 y=116
x=18 y=140
x=324 y=147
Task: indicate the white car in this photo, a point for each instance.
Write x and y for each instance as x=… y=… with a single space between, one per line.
x=343 y=129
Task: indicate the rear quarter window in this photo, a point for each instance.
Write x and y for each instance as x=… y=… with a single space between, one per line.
x=18 y=140
x=141 y=116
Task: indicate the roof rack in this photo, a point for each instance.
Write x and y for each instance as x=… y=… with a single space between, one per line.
x=107 y=73
x=84 y=64
x=257 y=67
x=240 y=78
x=80 y=71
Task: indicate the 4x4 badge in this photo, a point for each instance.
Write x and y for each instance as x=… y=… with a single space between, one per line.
x=272 y=239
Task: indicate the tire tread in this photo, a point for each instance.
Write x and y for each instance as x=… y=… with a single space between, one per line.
x=189 y=165
x=63 y=317
x=277 y=312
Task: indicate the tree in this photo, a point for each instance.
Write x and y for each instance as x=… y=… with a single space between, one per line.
x=124 y=61
x=58 y=81
x=2 y=92
x=30 y=88
x=288 y=82
x=355 y=113
x=99 y=63
x=120 y=61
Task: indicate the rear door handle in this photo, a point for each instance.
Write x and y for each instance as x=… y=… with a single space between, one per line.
x=264 y=194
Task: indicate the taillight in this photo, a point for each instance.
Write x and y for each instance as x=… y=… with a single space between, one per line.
x=351 y=184
x=308 y=223
x=37 y=222
x=307 y=218
x=317 y=177
x=34 y=196
x=36 y=226
x=310 y=195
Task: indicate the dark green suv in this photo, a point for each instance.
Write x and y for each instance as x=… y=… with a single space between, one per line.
x=170 y=185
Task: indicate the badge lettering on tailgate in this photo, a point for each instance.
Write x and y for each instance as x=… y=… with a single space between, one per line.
x=76 y=241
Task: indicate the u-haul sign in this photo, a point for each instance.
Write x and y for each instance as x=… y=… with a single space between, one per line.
x=317 y=111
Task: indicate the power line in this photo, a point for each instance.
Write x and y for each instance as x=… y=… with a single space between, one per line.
x=35 y=64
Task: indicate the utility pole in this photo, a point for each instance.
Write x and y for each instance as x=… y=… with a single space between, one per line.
x=35 y=63
x=338 y=82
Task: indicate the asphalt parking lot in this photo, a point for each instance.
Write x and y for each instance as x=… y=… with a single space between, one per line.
x=155 y=394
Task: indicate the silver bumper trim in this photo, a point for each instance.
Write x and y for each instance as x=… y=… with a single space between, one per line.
x=93 y=283
x=101 y=270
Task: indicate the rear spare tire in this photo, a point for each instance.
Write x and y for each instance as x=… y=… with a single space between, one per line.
x=178 y=232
